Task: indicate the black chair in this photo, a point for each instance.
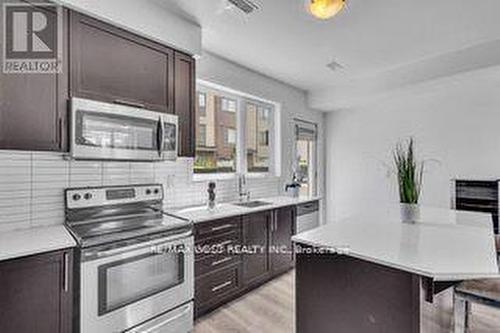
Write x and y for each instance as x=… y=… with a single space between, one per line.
x=485 y=291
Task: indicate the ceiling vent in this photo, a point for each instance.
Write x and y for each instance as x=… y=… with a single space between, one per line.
x=245 y=6
x=334 y=66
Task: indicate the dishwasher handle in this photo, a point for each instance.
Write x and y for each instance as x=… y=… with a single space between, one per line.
x=307 y=208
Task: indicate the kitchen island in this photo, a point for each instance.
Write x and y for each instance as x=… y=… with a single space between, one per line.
x=373 y=273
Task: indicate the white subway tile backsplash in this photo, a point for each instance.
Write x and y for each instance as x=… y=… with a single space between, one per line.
x=32 y=184
x=85 y=174
x=116 y=173
x=142 y=173
x=19 y=222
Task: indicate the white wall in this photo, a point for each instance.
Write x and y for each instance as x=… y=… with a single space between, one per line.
x=293 y=104
x=146 y=18
x=455 y=120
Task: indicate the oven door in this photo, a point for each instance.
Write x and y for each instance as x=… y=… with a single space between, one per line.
x=107 y=131
x=124 y=287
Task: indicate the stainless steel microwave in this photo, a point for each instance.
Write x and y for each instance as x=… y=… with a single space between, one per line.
x=105 y=131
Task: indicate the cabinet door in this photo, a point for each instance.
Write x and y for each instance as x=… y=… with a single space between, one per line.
x=255 y=236
x=112 y=65
x=36 y=294
x=282 y=230
x=184 y=74
x=33 y=109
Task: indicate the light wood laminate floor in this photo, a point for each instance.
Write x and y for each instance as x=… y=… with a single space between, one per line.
x=270 y=309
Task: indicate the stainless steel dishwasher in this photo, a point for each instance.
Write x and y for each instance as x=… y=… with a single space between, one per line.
x=307 y=216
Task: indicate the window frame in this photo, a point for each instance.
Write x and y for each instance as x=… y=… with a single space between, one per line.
x=274 y=135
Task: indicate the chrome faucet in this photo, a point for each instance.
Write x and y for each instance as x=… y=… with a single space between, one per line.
x=243 y=193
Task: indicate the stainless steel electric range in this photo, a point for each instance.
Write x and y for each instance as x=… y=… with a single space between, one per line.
x=136 y=262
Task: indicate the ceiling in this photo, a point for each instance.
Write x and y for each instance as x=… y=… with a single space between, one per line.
x=374 y=41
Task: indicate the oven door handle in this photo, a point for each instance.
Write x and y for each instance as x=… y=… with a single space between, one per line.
x=108 y=253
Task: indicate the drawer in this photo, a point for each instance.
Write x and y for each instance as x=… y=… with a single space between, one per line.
x=208 y=264
x=307 y=208
x=215 y=287
x=217 y=227
x=216 y=245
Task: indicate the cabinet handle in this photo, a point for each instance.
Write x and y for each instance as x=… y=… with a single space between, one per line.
x=66 y=272
x=59 y=133
x=127 y=103
x=274 y=225
x=222 y=286
x=222 y=227
x=218 y=262
x=180 y=148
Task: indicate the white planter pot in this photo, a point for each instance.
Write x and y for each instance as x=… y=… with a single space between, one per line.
x=410 y=213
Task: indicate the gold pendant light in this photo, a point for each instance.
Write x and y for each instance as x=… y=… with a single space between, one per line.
x=325 y=9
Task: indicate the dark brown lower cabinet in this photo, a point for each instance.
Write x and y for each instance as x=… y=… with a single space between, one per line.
x=226 y=274
x=217 y=288
x=217 y=267
x=256 y=243
x=283 y=228
x=36 y=293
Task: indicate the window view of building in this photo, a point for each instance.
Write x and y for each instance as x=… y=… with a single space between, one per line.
x=215 y=134
x=305 y=152
x=258 y=125
x=202 y=102
x=222 y=120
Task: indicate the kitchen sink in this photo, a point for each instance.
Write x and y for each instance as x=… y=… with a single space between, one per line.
x=252 y=204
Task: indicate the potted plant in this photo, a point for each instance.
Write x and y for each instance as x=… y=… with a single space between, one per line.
x=409 y=173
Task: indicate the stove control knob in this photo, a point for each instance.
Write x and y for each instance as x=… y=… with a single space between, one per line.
x=88 y=196
x=76 y=197
x=157 y=191
x=148 y=191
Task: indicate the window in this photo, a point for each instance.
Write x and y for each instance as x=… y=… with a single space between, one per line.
x=258 y=125
x=228 y=105
x=229 y=136
x=235 y=134
x=305 y=152
x=216 y=134
x=202 y=135
x=202 y=102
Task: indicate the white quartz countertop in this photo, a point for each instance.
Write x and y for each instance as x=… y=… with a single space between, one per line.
x=25 y=242
x=202 y=213
x=445 y=245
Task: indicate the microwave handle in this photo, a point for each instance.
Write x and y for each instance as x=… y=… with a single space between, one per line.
x=161 y=137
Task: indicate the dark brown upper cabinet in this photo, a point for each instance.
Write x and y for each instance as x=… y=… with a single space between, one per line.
x=113 y=65
x=36 y=293
x=33 y=108
x=184 y=73
x=282 y=230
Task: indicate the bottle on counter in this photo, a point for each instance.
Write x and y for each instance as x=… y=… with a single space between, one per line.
x=211 y=195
